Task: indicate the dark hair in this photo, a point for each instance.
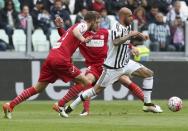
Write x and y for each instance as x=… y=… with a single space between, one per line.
x=155 y=5
x=7 y=2
x=91 y=16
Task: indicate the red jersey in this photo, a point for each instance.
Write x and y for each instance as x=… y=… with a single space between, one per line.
x=69 y=43
x=95 y=51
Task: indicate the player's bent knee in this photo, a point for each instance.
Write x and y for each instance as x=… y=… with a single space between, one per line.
x=98 y=89
x=125 y=80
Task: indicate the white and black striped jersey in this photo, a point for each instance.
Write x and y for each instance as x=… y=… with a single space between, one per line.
x=118 y=56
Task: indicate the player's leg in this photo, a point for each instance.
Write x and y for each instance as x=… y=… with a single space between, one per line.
x=74 y=91
x=85 y=95
x=147 y=76
x=8 y=107
x=134 y=88
x=86 y=104
x=68 y=73
x=108 y=77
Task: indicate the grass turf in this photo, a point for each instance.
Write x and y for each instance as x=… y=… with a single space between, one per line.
x=105 y=116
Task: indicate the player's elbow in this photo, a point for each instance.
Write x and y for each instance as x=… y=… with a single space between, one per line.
x=115 y=43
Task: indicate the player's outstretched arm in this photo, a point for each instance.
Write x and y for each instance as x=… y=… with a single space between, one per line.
x=123 y=39
x=78 y=34
x=59 y=23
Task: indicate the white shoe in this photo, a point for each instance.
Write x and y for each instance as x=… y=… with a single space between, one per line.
x=7 y=111
x=150 y=107
x=84 y=113
x=60 y=110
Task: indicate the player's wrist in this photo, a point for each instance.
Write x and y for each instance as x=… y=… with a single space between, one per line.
x=82 y=39
x=59 y=27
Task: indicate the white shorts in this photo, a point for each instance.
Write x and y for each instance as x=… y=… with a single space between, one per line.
x=109 y=76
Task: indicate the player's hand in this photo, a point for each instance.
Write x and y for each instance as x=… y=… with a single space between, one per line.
x=143 y=36
x=87 y=39
x=58 y=22
x=133 y=33
x=135 y=51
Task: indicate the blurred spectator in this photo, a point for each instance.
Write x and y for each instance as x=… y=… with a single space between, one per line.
x=175 y=11
x=133 y=4
x=113 y=6
x=98 y=5
x=150 y=16
x=58 y=10
x=79 y=4
x=23 y=17
x=159 y=33
x=28 y=3
x=81 y=14
x=66 y=5
x=139 y=15
x=177 y=30
x=163 y=5
x=16 y=4
x=41 y=18
x=9 y=20
x=105 y=21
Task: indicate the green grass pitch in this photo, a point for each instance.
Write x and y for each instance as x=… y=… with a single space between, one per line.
x=105 y=116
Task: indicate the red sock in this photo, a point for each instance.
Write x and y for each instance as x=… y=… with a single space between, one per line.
x=72 y=93
x=23 y=96
x=86 y=103
x=136 y=90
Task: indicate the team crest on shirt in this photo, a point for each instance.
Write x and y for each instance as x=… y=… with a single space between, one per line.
x=101 y=36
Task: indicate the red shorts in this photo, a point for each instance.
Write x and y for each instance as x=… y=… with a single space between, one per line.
x=96 y=70
x=56 y=67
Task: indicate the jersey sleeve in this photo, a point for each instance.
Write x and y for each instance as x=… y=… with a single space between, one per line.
x=116 y=31
x=82 y=27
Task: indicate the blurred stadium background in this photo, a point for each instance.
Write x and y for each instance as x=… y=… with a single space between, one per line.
x=27 y=33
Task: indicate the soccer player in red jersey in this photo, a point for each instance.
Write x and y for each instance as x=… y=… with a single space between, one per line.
x=58 y=64
x=94 y=53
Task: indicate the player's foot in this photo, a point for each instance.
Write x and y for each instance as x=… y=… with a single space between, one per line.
x=150 y=107
x=7 y=110
x=68 y=109
x=60 y=110
x=84 y=113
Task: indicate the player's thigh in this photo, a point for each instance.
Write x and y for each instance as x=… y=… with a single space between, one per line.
x=91 y=77
x=132 y=67
x=109 y=76
x=66 y=71
x=93 y=73
x=46 y=73
x=125 y=80
x=82 y=79
x=143 y=72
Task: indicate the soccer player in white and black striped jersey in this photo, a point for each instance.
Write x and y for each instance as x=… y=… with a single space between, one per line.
x=118 y=63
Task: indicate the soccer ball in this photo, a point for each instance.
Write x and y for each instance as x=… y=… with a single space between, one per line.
x=175 y=104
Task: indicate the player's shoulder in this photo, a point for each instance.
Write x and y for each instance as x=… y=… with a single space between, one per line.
x=103 y=30
x=117 y=26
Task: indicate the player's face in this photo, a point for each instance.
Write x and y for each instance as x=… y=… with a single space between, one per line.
x=128 y=19
x=96 y=26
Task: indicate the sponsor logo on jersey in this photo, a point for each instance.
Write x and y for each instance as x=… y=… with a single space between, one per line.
x=95 y=43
